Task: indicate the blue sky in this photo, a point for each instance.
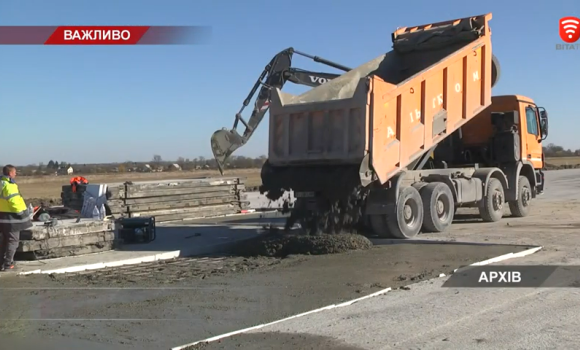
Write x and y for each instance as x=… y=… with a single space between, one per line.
x=97 y=104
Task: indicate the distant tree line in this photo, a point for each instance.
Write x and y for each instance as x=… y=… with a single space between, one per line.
x=55 y=165
x=157 y=163
x=552 y=150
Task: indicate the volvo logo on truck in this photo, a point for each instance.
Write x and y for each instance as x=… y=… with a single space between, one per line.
x=318 y=80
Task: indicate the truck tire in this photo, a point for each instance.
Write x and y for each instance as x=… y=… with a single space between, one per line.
x=491 y=206
x=379 y=226
x=495 y=70
x=406 y=218
x=521 y=207
x=438 y=207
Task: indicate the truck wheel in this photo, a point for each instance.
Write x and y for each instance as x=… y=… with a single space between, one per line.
x=495 y=70
x=405 y=219
x=521 y=207
x=491 y=206
x=438 y=207
x=379 y=226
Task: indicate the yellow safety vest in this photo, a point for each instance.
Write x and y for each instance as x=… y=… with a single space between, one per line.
x=14 y=215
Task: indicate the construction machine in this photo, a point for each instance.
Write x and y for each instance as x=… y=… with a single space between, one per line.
x=224 y=142
x=403 y=140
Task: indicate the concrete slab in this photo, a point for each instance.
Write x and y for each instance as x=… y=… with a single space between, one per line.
x=172 y=242
x=204 y=297
x=196 y=237
x=233 y=343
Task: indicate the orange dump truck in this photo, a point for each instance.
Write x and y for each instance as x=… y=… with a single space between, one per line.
x=419 y=128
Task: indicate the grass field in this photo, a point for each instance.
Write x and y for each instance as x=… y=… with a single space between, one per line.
x=50 y=186
x=559 y=161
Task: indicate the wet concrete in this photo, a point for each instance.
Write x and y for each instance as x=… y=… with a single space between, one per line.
x=281 y=243
x=429 y=316
x=155 y=306
x=277 y=341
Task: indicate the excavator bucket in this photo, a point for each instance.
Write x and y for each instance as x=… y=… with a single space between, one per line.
x=223 y=143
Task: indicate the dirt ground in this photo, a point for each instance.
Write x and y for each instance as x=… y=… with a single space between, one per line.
x=49 y=187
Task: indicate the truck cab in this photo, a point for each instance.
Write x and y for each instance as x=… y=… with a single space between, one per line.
x=508 y=134
x=533 y=121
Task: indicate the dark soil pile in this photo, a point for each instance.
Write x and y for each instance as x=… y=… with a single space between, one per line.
x=281 y=244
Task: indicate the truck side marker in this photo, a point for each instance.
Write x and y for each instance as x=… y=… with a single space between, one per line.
x=348 y=303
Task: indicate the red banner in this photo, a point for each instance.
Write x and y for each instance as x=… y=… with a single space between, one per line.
x=102 y=35
x=113 y=35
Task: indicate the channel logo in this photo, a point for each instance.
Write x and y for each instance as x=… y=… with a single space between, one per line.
x=570 y=29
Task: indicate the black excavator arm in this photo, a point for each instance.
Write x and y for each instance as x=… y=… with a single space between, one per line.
x=224 y=142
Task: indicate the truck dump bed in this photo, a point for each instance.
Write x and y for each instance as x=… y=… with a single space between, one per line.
x=392 y=109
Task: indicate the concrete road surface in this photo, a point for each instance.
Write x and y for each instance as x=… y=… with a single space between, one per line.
x=157 y=306
x=430 y=317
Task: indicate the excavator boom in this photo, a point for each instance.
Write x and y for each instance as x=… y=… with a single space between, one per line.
x=224 y=142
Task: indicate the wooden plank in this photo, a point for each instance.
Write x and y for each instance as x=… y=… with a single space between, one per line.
x=117 y=210
x=152 y=185
x=118 y=193
x=181 y=204
x=65 y=251
x=158 y=196
x=202 y=192
x=64 y=230
x=185 y=189
x=192 y=216
x=66 y=241
x=173 y=192
x=215 y=181
x=113 y=202
x=177 y=197
x=181 y=210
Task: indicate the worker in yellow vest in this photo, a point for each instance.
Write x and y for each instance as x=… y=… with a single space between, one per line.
x=14 y=217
